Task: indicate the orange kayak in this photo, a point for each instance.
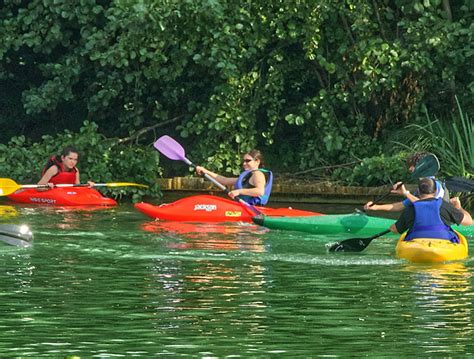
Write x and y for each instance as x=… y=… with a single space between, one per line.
x=206 y=208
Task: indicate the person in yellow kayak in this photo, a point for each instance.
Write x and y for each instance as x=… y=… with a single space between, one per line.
x=412 y=161
x=431 y=217
x=253 y=185
x=62 y=169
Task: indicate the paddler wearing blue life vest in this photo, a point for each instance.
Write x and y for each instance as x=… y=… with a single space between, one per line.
x=431 y=217
x=412 y=161
x=62 y=169
x=253 y=185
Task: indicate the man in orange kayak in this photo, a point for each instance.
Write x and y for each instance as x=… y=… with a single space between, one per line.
x=62 y=169
x=253 y=185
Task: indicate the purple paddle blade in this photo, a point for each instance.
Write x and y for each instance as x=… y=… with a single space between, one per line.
x=170 y=148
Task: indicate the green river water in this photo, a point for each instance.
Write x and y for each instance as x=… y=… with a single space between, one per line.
x=112 y=283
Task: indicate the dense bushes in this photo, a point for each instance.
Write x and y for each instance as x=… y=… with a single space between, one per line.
x=100 y=160
x=312 y=83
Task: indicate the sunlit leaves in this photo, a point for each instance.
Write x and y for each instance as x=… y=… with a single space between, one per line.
x=330 y=79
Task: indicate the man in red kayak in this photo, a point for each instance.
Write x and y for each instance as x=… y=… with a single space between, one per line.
x=253 y=185
x=62 y=169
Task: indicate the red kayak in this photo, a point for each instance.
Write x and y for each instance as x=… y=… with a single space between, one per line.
x=63 y=196
x=206 y=208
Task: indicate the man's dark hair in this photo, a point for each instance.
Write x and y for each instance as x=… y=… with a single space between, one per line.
x=426 y=186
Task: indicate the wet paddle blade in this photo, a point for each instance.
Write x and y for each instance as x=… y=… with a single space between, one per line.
x=426 y=167
x=350 y=245
x=170 y=148
x=460 y=184
x=8 y=186
x=353 y=244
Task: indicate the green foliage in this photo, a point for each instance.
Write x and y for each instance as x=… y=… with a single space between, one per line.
x=333 y=77
x=376 y=171
x=452 y=140
x=100 y=160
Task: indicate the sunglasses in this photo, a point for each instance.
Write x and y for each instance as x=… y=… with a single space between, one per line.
x=247 y=160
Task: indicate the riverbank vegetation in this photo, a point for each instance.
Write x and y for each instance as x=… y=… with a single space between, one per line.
x=340 y=90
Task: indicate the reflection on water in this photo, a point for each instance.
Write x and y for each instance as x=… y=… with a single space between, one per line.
x=111 y=283
x=442 y=298
x=210 y=236
x=7 y=212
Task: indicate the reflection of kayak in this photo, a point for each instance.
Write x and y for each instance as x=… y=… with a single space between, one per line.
x=206 y=208
x=356 y=223
x=8 y=211
x=430 y=250
x=194 y=229
x=208 y=236
x=63 y=196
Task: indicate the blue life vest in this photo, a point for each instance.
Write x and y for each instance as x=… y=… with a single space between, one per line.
x=243 y=182
x=428 y=222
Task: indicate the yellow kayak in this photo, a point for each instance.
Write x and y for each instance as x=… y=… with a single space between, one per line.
x=431 y=250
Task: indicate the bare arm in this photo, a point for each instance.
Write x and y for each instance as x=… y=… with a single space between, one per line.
x=50 y=173
x=78 y=177
x=393 y=228
x=226 y=181
x=467 y=219
x=390 y=207
x=399 y=188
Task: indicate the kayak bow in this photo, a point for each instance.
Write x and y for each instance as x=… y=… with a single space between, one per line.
x=431 y=250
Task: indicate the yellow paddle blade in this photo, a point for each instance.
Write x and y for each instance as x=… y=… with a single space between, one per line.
x=123 y=184
x=8 y=186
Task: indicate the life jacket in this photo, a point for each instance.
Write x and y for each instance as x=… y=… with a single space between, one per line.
x=62 y=176
x=243 y=181
x=428 y=223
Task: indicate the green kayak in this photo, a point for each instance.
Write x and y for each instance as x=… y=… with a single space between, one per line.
x=359 y=224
